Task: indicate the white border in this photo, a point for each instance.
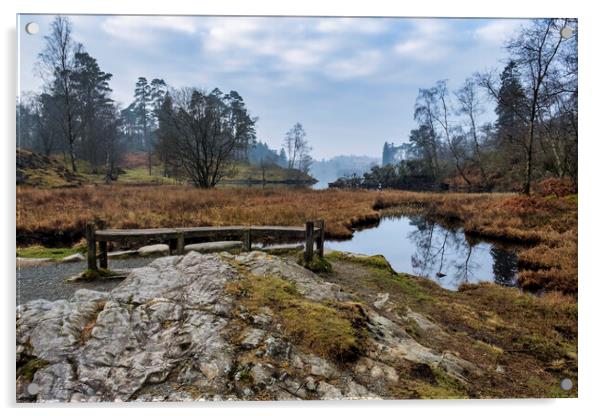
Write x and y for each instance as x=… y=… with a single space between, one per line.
x=590 y=152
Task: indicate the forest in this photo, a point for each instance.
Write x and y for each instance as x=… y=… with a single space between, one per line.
x=533 y=137
x=197 y=136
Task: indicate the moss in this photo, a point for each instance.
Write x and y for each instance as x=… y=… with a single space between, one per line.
x=39 y=252
x=28 y=370
x=376 y=262
x=335 y=330
x=443 y=387
x=317 y=264
x=90 y=274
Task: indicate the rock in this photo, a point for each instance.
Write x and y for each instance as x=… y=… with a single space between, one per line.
x=23 y=262
x=154 y=250
x=262 y=374
x=381 y=300
x=252 y=338
x=73 y=258
x=169 y=331
x=214 y=246
x=328 y=391
x=121 y=254
x=276 y=348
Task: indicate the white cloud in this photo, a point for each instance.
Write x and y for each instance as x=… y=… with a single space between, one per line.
x=143 y=30
x=345 y=24
x=497 y=31
x=427 y=41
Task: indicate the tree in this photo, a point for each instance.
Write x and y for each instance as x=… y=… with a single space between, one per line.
x=424 y=113
x=297 y=148
x=147 y=100
x=57 y=62
x=470 y=106
x=204 y=133
x=534 y=54
x=92 y=93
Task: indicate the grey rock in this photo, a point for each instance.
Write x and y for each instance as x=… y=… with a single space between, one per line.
x=277 y=348
x=121 y=254
x=213 y=246
x=252 y=338
x=73 y=258
x=168 y=328
x=154 y=250
x=381 y=300
x=328 y=391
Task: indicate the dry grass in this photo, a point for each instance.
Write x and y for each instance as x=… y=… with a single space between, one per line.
x=547 y=224
x=59 y=216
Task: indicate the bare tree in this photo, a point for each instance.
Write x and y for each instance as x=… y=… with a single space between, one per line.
x=470 y=106
x=203 y=132
x=57 y=64
x=298 y=148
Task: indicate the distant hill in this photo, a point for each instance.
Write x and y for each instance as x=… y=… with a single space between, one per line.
x=330 y=170
x=37 y=170
x=34 y=169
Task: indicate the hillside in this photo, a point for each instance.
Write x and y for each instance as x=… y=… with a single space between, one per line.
x=40 y=171
x=34 y=169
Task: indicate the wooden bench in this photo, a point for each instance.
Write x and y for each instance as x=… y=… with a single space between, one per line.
x=96 y=232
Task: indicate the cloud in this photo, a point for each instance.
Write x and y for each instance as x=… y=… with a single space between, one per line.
x=144 y=30
x=427 y=40
x=497 y=31
x=345 y=25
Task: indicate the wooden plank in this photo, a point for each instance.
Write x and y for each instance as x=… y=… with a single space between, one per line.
x=246 y=239
x=103 y=259
x=320 y=239
x=180 y=244
x=90 y=237
x=309 y=241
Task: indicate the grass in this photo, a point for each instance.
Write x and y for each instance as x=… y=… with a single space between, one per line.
x=533 y=338
x=547 y=224
x=335 y=330
x=40 y=252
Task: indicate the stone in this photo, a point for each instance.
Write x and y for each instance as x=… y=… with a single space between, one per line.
x=154 y=250
x=73 y=258
x=277 y=348
x=252 y=338
x=328 y=391
x=121 y=254
x=169 y=332
x=381 y=300
x=213 y=246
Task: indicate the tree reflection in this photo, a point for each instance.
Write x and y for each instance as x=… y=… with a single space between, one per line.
x=446 y=255
x=505 y=265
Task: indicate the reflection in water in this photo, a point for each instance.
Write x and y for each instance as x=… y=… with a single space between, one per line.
x=415 y=245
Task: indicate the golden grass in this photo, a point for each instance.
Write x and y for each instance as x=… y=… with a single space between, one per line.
x=547 y=224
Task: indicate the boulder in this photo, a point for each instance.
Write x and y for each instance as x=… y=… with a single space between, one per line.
x=173 y=331
x=74 y=258
x=214 y=246
x=154 y=250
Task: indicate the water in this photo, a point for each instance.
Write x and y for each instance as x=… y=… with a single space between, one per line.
x=424 y=248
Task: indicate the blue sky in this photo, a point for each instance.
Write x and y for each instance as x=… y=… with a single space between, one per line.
x=351 y=82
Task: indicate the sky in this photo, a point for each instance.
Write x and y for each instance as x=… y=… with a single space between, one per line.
x=351 y=82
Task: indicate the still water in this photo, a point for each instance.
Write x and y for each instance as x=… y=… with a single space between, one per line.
x=417 y=246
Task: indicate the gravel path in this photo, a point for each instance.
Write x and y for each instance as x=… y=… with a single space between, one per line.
x=48 y=281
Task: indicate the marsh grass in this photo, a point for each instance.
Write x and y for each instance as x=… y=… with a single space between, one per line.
x=547 y=225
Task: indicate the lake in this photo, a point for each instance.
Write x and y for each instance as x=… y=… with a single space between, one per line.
x=417 y=246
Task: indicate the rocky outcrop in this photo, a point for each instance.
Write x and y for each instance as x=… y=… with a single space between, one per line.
x=172 y=331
